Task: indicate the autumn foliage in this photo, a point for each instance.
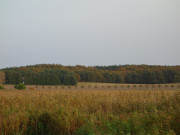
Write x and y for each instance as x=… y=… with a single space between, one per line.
x=52 y=74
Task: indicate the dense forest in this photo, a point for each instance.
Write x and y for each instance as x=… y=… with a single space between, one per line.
x=53 y=74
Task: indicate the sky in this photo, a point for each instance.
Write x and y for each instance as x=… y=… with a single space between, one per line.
x=89 y=32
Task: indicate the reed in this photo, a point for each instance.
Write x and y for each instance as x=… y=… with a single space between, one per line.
x=89 y=112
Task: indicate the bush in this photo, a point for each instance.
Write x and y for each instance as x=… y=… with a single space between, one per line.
x=20 y=86
x=1 y=87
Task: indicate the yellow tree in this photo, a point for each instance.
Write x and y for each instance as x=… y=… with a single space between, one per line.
x=2 y=77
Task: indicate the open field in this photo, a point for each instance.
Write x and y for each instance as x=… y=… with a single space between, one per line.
x=103 y=86
x=85 y=112
x=118 y=86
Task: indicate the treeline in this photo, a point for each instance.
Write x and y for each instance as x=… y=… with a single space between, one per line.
x=144 y=74
x=52 y=74
x=151 y=77
x=45 y=77
x=99 y=76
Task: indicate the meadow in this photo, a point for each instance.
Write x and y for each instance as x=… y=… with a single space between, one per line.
x=89 y=112
x=101 y=86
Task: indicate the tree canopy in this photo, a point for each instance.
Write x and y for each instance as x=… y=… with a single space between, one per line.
x=53 y=74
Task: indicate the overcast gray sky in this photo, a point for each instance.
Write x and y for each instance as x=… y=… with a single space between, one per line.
x=89 y=32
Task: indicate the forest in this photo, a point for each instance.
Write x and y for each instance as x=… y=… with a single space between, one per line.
x=54 y=74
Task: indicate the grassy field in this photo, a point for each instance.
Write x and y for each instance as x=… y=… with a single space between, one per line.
x=89 y=112
x=103 y=86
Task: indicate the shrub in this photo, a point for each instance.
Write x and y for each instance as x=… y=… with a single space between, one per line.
x=20 y=86
x=82 y=86
x=134 y=86
x=95 y=86
x=1 y=87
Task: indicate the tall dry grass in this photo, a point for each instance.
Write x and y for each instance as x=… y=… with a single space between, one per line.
x=89 y=112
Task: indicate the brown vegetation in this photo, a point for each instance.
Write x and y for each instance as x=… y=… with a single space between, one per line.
x=85 y=112
x=103 y=86
x=2 y=77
